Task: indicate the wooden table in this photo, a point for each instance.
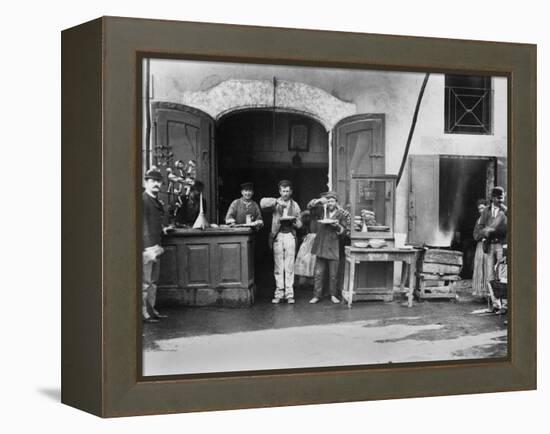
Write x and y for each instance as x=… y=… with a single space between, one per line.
x=356 y=255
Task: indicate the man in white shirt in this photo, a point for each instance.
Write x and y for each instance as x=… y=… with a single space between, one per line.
x=286 y=219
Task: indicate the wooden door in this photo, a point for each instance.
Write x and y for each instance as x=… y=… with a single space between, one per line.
x=189 y=134
x=358 y=149
x=423 y=198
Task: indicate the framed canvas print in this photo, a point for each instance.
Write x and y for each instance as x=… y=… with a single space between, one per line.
x=260 y=217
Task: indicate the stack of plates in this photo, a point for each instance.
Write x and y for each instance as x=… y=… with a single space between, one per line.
x=327 y=221
x=377 y=244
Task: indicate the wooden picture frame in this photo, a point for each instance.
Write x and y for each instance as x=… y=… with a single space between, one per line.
x=101 y=257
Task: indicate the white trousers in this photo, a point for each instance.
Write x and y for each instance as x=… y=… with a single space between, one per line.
x=284 y=251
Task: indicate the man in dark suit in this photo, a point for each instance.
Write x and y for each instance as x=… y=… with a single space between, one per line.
x=492 y=229
x=153 y=229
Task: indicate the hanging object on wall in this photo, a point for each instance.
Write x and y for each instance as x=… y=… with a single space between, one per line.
x=163 y=155
x=297 y=161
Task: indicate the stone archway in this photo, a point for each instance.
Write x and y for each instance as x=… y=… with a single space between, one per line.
x=233 y=95
x=289 y=96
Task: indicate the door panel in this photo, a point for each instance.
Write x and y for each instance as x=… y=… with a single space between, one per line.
x=423 y=198
x=358 y=149
x=168 y=266
x=189 y=135
x=229 y=265
x=196 y=258
x=184 y=138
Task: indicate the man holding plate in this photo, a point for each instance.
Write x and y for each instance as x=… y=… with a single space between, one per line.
x=286 y=219
x=334 y=225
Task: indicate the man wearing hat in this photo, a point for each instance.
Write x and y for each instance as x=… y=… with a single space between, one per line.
x=286 y=219
x=153 y=228
x=245 y=210
x=333 y=228
x=493 y=224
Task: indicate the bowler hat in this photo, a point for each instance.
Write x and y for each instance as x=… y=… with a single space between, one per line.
x=153 y=174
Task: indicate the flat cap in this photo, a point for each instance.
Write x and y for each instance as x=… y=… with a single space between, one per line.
x=330 y=195
x=247 y=186
x=285 y=183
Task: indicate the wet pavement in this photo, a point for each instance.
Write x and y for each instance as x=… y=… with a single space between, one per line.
x=266 y=336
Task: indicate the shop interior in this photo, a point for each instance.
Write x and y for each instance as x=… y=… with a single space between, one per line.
x=263 y=147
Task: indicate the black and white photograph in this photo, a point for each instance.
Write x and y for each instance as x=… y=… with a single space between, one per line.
x=301 y=217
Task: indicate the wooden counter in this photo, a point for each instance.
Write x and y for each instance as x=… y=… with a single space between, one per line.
x=207 y=267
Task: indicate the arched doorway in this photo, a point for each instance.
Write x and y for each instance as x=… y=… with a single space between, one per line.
x=263 y=147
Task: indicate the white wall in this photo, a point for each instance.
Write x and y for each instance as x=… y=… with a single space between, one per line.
x=392 y=93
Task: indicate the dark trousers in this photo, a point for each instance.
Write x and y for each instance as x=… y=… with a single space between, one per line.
x=151 y=272
x=321 y=265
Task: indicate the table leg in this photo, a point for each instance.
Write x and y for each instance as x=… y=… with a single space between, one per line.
x=412 y=276
x=404 y=267
x=351 y=285
x=345 y=287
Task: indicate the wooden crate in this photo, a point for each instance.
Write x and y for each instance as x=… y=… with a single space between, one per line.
x=438 y=272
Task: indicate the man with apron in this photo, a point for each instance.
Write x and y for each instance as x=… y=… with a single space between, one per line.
x=244 y=210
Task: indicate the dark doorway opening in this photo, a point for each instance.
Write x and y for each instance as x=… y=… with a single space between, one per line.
x=255 y=146
x=462 y=181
